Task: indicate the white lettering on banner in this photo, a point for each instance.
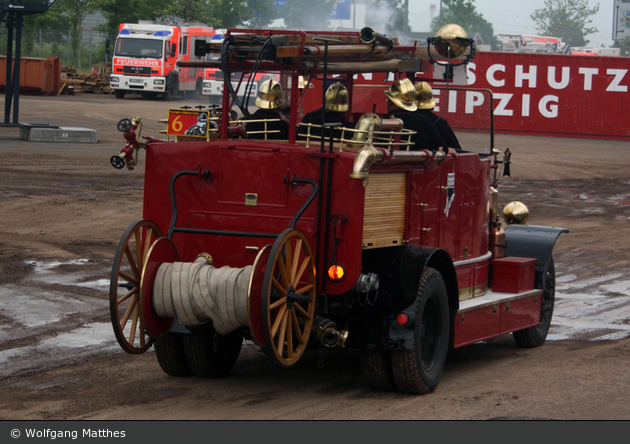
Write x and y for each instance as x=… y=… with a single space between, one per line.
x=473 y=99
x=564 y=81
x=615 y=83
x=551 y=111
x=366 y=76
x=139 y=62
x=588 y=77
x=529 y=76
x=470 y=71
x=501 y=109
x=436 y=92
x=525 y=106
x=491 y=78
x=452 y=102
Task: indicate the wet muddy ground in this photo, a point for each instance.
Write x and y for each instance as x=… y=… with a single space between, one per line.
x=64 y=209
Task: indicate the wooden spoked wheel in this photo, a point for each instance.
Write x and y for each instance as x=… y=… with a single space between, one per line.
x=125 y=302
x=288 y=298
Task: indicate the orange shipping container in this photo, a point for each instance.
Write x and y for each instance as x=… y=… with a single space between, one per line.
x=37 y=76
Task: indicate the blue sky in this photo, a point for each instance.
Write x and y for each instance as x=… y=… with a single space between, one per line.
x=514 y=16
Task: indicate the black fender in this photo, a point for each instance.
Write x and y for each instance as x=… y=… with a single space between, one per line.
x=535 y=242
x=173 y=75
x=400 y=270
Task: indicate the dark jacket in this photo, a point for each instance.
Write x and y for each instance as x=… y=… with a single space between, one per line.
x=315 y=117
x=443 y=128
x=261 y=114
x=427 y=137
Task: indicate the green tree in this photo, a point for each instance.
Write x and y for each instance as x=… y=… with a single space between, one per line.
x=464 y=13
x=76 y=11
x=307 y=14
x=126 y=11
x=264 y=12
x=229 y=13
x=53 y=24
x=387 y=16
x=190 y=11
x=624 y=45
x=566 y=19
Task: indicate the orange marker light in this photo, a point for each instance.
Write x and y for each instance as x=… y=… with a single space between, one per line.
x=336 y=272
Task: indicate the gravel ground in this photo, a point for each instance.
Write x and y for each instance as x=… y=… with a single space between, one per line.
x=64 y=209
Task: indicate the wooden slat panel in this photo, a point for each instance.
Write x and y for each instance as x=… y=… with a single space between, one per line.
x=384 y=210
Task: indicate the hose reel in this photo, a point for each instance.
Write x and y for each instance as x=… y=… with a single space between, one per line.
x=274 y=297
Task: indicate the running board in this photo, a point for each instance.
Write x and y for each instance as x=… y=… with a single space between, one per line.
x=495 y=314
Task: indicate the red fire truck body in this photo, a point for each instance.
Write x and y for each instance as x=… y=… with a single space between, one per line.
x=354 y=242
x=145 y=60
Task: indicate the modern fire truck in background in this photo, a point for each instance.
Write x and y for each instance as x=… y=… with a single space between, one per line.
x=533 y=44
x=213 y=78
x=145 y=60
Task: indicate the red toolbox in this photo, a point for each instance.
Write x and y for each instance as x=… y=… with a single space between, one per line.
x=513 y=274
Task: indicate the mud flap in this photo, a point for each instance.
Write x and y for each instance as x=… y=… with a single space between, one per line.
x=535 y=242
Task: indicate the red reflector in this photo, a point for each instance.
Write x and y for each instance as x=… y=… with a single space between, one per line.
x=402 y=319
x=336 y=272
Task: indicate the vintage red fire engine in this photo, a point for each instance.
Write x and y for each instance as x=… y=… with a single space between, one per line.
x=349 y=241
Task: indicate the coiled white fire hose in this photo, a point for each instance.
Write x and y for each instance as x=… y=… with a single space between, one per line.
x=196 y=292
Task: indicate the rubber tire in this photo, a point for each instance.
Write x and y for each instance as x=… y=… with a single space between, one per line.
x=207 y=358
x=169 y=351
x=377 y=369
x=119 y=94
x=198 y=89
x=414 y=373
x=535 y=336
x=172 y=90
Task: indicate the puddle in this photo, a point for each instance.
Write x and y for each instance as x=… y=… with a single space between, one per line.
x=595 y=309
x=44 y=309
x=86 y=336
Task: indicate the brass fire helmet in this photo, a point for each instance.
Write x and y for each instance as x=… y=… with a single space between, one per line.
x=424 y=96
x=269 y=95
x=403 y=94
x=448 y=46
x=515 y=213
x=337 y=97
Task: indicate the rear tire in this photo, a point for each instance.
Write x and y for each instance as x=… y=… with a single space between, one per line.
x=536 y=336
x=169 y=351
x=418 y=371
x=198 y=88
x=172 y=90
x=212 y=355
x=377 y=368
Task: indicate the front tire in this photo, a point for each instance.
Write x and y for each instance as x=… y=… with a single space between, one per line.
x=119 y=94
x=535 y=336
x=418 y=371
